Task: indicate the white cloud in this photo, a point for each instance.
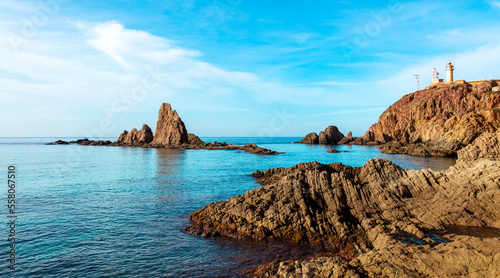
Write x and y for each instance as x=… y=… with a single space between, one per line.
x=81 y=72
x=128 y=46
x=495 y=4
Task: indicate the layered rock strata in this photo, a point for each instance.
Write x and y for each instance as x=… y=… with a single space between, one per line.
x=442 y=119
x=370 y=215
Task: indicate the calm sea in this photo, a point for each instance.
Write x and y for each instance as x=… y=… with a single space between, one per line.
x=92 y=211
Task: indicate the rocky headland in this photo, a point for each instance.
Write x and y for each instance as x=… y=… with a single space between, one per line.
x=378 y=220
x=436 y=121
x=439 y=120
x=170 y=133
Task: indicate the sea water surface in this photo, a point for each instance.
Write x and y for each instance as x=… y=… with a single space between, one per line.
x=96 y=211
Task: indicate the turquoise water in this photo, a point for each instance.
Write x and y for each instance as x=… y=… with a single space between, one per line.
x=94 y=211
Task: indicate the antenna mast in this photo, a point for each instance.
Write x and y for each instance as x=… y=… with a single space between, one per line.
x=418 y=81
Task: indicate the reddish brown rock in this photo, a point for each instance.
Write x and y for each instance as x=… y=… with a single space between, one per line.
x=170 y=129
x=330 y=136
x=457 y=113
x=195 y=140
x=135 y=137
x=346 y=140
x=170 y=133
x=370 y=216
x=311 y=138
x=333 y=135
x=322 y=138
x=251 y=148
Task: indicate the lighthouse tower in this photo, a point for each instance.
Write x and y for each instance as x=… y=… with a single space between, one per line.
x=449 y=72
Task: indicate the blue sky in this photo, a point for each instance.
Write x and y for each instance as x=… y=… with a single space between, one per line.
x=229 y=67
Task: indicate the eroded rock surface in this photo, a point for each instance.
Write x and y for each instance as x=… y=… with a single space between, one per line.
x=194 y=140
x=330 y=136
x=170 y=129
x=135 y=137
x=346 y=140
x=360 y=214
x=170 y=133
x=455 y=114
x=311 y=138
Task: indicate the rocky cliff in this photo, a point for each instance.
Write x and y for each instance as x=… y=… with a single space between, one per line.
x=381 y=219
x=438 y=120
x=330 y=136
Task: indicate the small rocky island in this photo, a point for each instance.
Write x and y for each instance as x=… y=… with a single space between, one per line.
x=170 y=133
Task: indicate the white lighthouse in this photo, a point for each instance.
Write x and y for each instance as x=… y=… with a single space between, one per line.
x=449 y=72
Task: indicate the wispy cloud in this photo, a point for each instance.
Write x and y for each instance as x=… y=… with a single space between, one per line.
x=495 y=4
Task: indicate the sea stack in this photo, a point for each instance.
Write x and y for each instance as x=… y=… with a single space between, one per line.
x=170 y=129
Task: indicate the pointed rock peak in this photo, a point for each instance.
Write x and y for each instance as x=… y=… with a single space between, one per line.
x=170 y=129
x=165 y=107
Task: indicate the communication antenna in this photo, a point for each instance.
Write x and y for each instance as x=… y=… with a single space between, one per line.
x=435 y=76
x=418 y=81
x=453 y=60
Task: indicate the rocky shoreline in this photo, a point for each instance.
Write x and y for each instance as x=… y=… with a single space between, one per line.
x=170 y=133
x=436 y=121
x=375 y=220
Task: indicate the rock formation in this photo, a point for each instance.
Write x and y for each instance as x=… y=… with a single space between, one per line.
x=252 y=148
x=194 y=140
x=59 y=142
x=346 y=140
x=381 y=219
x=170 y=133
x=170 y=129
x=444 y=117
x=330 y=136
x=85 y=142
x=135 y=137
x=311 y=138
